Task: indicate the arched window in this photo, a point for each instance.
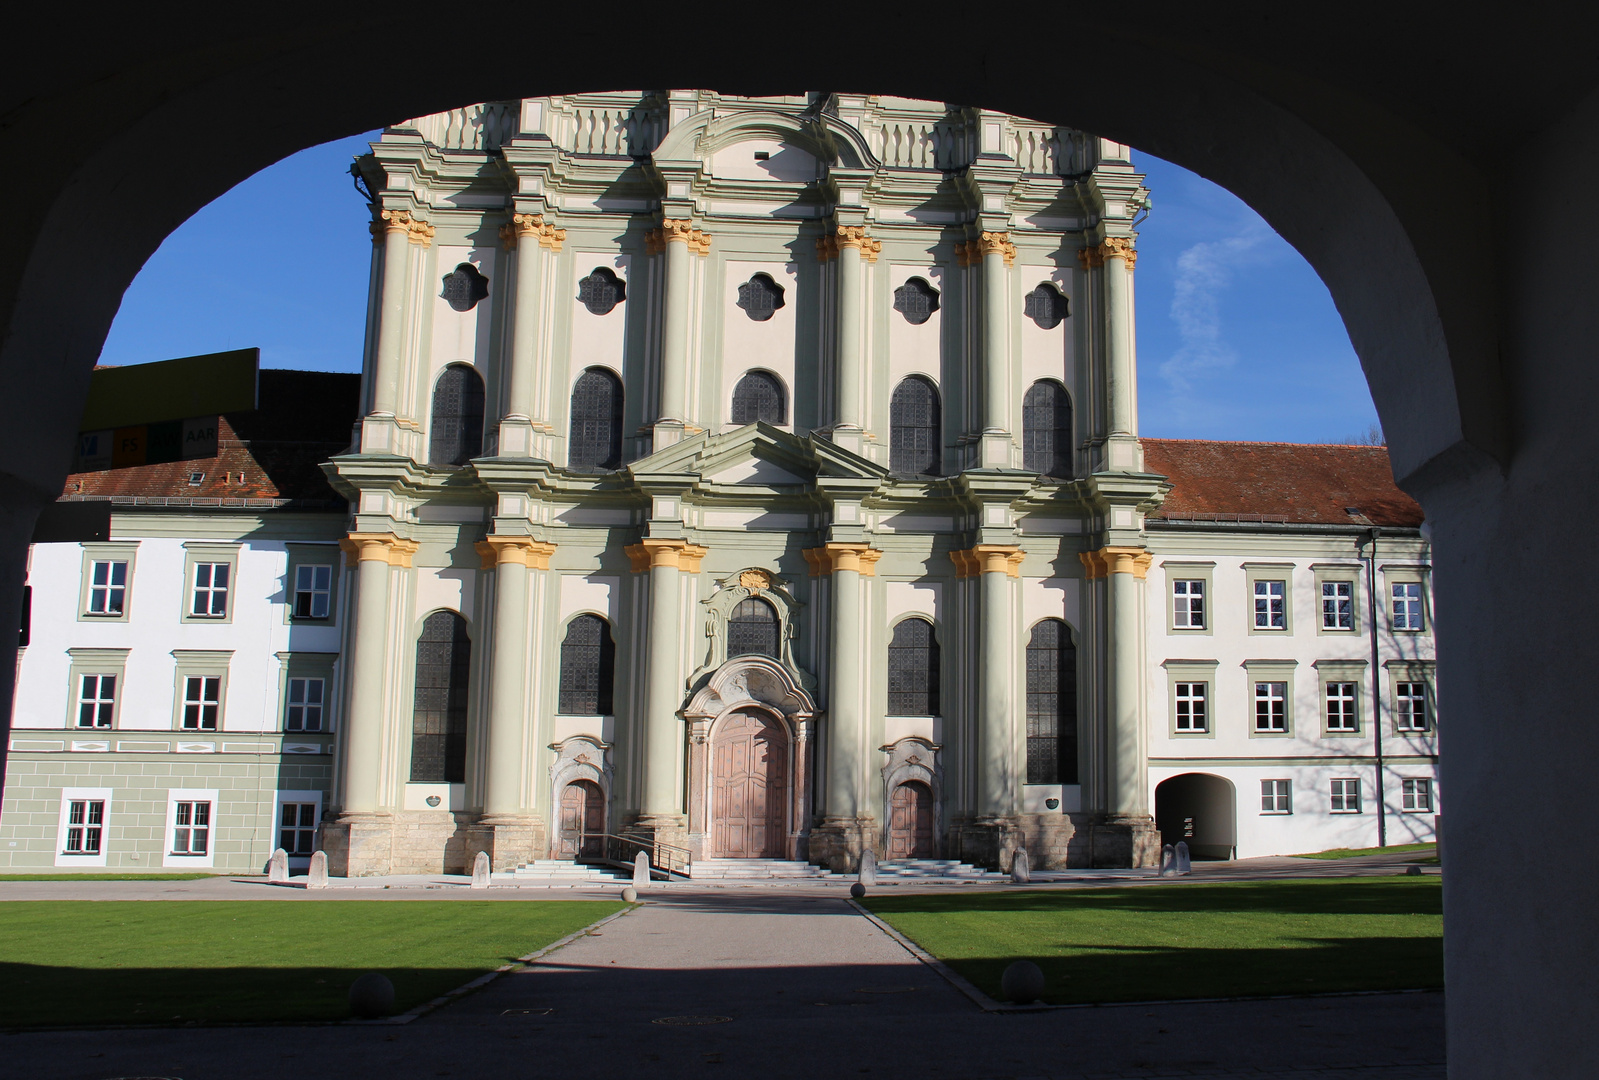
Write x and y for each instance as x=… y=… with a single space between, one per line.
x=588 y=667
x=916 y=300
x=1051 y=705
x=438 y=717
x=913 y=669
x=752 y=629
x=760 y=297
x=596 y=443
x=915 y=433
x=456 y=434
x=758 y=396
x=1046 y=306
x=1047 y=429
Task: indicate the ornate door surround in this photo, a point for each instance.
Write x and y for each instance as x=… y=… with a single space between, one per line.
x=752 y=686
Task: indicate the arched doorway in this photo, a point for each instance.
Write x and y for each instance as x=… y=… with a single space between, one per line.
x=749 y=787
x=910 y=822
x=582 y=821
x=1200 y=810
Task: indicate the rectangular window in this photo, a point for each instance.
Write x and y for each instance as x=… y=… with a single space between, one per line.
x=210 y=590
x=1271 y=706
x=305 y=705
x=85 y=822
x=1411 y=698
x=1341 y=715
x=1346 y=796
x=1271 y=612
x=297 y=828
x=1192 y=714
x=97 y=701
x=1188 y=605
x=1416 y=796
x=202 y=702
x=1337 y=605
x=191 y=832
x=313 y=591
x=108 y=586
x=1276 y=797
x=1407 y=605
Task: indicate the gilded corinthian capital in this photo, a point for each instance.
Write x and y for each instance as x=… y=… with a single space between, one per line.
x=523 y=226
x=998 y=243
x=1112 y=247
x=853 y=236
x=682 y=231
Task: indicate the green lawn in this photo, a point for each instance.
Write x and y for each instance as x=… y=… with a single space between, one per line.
x=1351 y=852
x=1158 y=942
x=80 y=962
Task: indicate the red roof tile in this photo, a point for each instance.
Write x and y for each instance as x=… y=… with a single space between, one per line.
x=1287 y=482
x=271 y=452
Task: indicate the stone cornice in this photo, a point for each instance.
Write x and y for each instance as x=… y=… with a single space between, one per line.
x=861 y=558
x=378 y=547
x=988 y=559
x=653 y=551
x=1116 y=560
x=518 y=550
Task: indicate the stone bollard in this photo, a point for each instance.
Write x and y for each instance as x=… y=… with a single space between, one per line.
x=278 y=866
x=1168 y=860
x=1180 y=863
x=318 y=877
x=868 y=871
x=1022 y=982
x=1020 y=872
x=372 y=996
x=480 y=871
x=641 y=870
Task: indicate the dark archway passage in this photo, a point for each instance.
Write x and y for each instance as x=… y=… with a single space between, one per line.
x=1201 y=810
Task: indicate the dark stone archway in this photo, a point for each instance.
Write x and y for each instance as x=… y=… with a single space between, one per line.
x=1200 y=810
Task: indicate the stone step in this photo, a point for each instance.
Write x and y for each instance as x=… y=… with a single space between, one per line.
x=929 y=869
x=563 y=870
x=753 y=869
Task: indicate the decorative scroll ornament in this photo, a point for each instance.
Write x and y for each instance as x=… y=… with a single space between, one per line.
x=755 y=579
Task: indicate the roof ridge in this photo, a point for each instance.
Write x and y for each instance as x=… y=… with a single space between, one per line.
x=1262 y=442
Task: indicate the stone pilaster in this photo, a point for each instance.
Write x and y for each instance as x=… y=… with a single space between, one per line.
x=681 y=241
x=395 y=231
x=1113 y=260
x=851 y=246
x=997 y=254
x=528 y=235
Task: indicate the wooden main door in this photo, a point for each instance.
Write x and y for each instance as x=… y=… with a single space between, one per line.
x=910 y=822
x=582 y=821
x=749 y=788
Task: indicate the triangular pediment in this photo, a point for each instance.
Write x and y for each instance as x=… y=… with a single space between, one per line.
x=756 y=455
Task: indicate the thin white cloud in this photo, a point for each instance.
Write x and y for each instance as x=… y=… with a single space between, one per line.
x=1204 y=273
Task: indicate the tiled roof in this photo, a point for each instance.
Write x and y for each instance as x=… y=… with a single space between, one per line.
x=1278 y=482
x=269 y=456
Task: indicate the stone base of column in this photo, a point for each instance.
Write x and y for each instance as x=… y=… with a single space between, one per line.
x=662 y=828
x=1123 y=841
x=996 y=450
x=668 y=432
x=852 y=439
x=989 y=842
x=413 y=842
x=380 y=434
x=1055 y=841
x=510 y=842
x=358 y=845
x=1123 y=453
x=838 y=843
x=516 y=437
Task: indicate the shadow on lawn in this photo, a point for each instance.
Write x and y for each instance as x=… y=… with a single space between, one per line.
x=1141 y=973
x=36 y=996
x=1348 y=896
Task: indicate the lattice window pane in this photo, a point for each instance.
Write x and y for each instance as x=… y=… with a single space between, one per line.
x=1047 y=429
x=601 y=291
x=915 y=438
x=1051 y=705
x=438 y=719
x=1045 y=306
x=464 y=287
x=760 y=297
x=913 y=670
x=916 y=300
x=456 y=435
x=596 y=442
x=752 y=629
x=588 y=665
x=758 y=396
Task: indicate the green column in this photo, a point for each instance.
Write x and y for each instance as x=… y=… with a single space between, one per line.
x=996 y=334
x=507 y=679
x=1122 y=376
x=391 y=312
x=663 y=681
x=1127 y=754
x=996 y=723
x=675 y=321
x=524 y=327
x=849 y=326
x=363 y=741
x=845 y=734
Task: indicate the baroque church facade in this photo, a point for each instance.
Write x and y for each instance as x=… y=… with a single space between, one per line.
x=749 y=479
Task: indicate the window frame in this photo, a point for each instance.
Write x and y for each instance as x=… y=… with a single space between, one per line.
x=1335 y=793
x=96 y=662
x=1411 y=671
x=468 y=708
x=609 y=635
x=86 y=795
x=106 y=551
x=200 y=664
x=1271 y=671
x=1269 y=572
x=1421 y=784
x=935 y=468
x=307 y=665
x=1286 y=794
x=314 y=797
x=1068 y=708
x=1190 y=672
x=1392 y=583
x=170 y=856
x=1203 y=572
x=196 y=553
x=312 y=554
x=617 y=418
x=1058 y=450
x=782 y=398
x=935 y=666
x=1329 y=672
x=437 y=438
x=1333 y=573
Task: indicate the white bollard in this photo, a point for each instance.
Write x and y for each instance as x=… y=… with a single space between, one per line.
x=1020 y=871
x=318 y=877
x=480 y=871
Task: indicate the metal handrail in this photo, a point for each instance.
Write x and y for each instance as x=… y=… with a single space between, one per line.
x=667 y=858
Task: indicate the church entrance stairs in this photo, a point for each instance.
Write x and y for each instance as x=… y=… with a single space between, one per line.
x=890 y=870
x=564 y=871
x=754 y=869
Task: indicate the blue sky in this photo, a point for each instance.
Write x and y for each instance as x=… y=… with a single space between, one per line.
x=1237 y=337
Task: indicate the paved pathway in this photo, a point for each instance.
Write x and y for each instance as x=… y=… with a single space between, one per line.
x=809 y=988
